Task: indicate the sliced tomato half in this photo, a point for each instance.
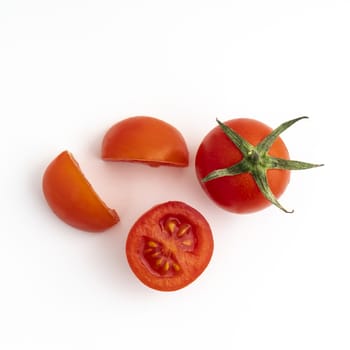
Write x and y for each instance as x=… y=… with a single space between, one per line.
x=169 y=246
x=145 y=139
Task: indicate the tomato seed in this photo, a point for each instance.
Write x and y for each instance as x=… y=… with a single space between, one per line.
x=166 y=266
x=152 y=244
x=176 y=267
x=185 y=228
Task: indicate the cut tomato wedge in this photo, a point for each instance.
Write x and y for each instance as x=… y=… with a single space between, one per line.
x=72 y=198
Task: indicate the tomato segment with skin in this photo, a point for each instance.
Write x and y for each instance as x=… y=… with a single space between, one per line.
x=72 y=198
x=145 y=139
x=169 y=246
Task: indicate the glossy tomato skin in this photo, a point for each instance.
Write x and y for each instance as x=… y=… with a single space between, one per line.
x=169 y=246
x=239 y=193
x=145 y=139
x=72 y=198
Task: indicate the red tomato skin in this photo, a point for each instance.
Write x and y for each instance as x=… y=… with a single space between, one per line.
x=145 y=139
x=192 y=263
x=239 y=193
x=72 y=198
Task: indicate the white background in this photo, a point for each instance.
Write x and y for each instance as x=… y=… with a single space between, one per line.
x=71 y=69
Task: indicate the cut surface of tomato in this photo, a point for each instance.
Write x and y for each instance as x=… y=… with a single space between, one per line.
x=169 y=246
x=72 y=198
x=145 y=139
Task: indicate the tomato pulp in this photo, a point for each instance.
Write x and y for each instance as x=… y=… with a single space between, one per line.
x=169 y=246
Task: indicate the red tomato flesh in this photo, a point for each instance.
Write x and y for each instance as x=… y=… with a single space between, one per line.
x=169 y=246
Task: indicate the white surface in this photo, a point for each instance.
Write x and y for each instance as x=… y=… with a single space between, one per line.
x=71 y=69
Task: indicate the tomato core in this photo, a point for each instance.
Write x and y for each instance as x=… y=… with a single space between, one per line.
x=161 y=257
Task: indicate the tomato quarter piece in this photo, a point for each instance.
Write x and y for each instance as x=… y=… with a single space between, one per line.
x=145 y=139
x=169 y=246
x=72 y=198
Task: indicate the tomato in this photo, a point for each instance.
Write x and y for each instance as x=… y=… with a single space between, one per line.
x=145 y=139
x=72 y=198
x=243 y=165
x=169 y=246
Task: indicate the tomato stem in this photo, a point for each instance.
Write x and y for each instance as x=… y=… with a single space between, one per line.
x=257 y=161
x=267 y=142
x=261 y=181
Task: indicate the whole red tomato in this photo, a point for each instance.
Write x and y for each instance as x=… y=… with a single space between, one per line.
x=243 y=165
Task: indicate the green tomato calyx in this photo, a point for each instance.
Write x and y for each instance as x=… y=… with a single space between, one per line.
x=257 y=161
